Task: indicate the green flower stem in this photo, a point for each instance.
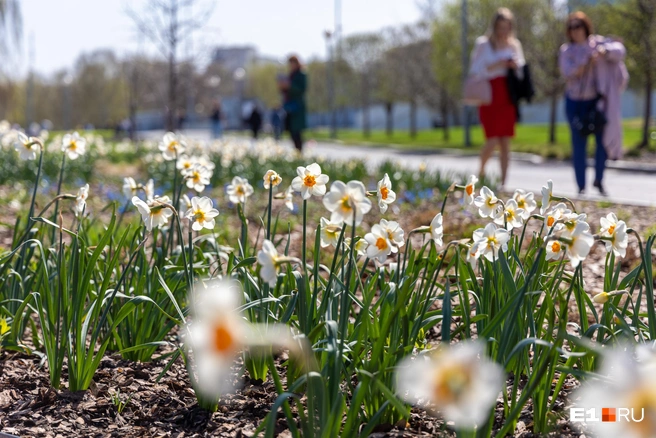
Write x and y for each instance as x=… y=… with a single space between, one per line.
x=304 y=247
x=59 y=185
x=268 y=234
x=191 y=260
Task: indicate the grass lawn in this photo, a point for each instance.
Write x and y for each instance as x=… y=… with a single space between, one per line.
x=529 y=138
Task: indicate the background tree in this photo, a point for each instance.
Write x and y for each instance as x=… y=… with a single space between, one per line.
x=168 y=23
x=634 y=22
x=362 y=52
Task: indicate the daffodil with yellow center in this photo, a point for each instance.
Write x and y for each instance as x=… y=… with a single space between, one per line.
x=458 y=382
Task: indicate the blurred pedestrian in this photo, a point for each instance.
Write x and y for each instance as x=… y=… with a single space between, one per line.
x=216 y=119
x=595 y=74
x=493 y=56
x=181 y=116
x=255 y=121
x=277 y=122
x=294 y=101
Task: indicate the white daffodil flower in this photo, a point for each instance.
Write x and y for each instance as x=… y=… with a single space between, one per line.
x=630 y=383
x=73 y=145
x=289 y=198
x=185 y=162
x=171 y=146
x=217 y=333
x=554 y=250
x=490 y=240
x=202 y=213
x=269 y=260
x=547 y=195
x=510 y=216
x=385 y=193
x=271 y=177
x=329 y=232
x=343 y=200
x=239 y=190
x=26 y=146
x=149 y=190
x=437 y=230
x=459 y=382
x=81 y=199
x=129 y=187
x=185 y=203
x=469 y=189
x=487 y=203
x=310 y=181
x=525 y=200
x=379 y=244
x=156 y=215
x=615 y=230
x=558 y=212
x=473 y=253
x=394 y=232
x=197 y=176
x=578 y=243
x=361 y=246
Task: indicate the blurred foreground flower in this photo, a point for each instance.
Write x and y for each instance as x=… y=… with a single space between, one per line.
x=437 y=230
x=217 y=333
x=459 y=382
x=632 y=388
x=73 y=145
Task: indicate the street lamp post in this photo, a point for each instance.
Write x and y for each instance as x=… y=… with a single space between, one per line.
x=238 y=76
x=330 y=75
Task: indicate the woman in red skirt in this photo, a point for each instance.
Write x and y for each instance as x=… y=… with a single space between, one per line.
x=493 y=55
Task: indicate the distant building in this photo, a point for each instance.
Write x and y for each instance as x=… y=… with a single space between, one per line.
x=233 y=57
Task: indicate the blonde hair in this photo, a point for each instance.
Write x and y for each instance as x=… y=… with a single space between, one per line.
x=502 y=14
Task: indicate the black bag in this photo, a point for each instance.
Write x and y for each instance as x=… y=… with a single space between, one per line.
x=594 y=120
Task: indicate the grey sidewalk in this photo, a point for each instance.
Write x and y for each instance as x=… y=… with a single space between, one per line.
x=626 y=182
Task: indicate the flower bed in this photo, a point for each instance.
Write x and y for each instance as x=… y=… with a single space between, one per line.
x=349 y=321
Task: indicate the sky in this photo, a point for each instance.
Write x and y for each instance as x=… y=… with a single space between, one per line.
x=59 y=30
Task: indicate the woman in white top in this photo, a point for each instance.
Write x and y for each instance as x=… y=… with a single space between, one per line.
x=492 y=57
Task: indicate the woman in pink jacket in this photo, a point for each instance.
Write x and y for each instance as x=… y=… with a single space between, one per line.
x=594 y=70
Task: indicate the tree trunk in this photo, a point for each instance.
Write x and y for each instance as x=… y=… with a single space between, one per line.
x=413 y=118
x=389 y=118
x=647 y=115
x=444 y=111
x=552 y=118
x=455 y=113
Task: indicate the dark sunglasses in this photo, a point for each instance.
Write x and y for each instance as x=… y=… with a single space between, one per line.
x=575 y=26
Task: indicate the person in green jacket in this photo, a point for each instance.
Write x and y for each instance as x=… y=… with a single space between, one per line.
x=294 y=102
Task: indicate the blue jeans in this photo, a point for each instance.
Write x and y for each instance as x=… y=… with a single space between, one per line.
x=579 y=143
x=217 y=129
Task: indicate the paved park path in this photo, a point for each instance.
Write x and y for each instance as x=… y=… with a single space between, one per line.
x=623 y=186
